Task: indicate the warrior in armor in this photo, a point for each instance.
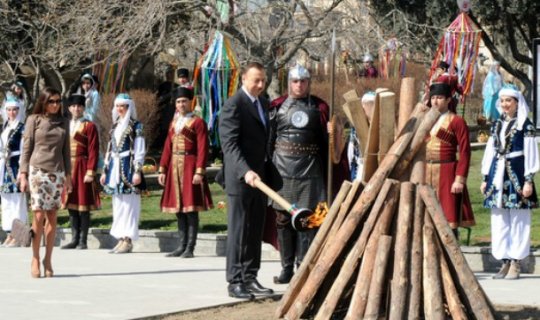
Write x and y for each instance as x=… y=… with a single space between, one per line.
x=298 y=144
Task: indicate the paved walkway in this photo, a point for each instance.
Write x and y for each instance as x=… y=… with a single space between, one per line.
x=93 y=284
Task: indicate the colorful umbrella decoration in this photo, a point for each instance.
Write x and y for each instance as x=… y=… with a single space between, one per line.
x=392 y=59
x=110 y=72
x=459 y=48
x=216 y=78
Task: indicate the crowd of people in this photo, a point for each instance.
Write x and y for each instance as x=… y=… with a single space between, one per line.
x=283 y=143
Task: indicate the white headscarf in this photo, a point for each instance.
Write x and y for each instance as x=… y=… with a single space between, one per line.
x=122 y=123
x=13 y=102
x=522 y=109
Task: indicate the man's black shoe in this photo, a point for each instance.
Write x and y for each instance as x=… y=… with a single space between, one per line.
x=284 y=277
x=239 y=291
x=255 y=287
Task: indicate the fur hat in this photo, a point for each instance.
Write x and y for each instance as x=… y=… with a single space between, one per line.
x=183 y=73
x=77 y=99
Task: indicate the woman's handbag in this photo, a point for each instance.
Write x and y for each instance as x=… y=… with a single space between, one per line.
x=22 y=233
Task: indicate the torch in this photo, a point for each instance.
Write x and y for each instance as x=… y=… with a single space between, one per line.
x=301 y=218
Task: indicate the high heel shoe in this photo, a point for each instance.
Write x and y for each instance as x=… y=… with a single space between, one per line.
x=34 y=271
x=49 y=273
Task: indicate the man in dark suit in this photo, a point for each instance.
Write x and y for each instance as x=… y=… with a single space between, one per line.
x=243 y=130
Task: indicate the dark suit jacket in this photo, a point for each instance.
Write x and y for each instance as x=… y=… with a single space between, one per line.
x=244 y=140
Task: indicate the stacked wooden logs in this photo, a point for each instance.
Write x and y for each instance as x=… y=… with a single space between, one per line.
x=385 y=249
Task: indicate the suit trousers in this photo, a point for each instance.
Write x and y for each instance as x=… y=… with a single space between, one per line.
x=246 y=214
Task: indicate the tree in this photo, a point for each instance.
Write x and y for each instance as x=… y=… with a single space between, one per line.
x=53 y=37
x=508 y=27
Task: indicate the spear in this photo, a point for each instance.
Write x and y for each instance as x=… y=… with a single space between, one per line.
x=330 y=115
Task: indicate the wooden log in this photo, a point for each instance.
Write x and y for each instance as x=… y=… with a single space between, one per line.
x=455 y=307
x=344 y=209
x=416 y=144
x=418 y=168
x=358 y=119
x=302 y=273
x=415 y=288
x=360 y=295
x=371 y=149
x=351 y=95
x=379 y=220
x=476 y=297
x=433 y=292
x=387 y=122
x=407 y=99
x=400 y=278
x=378 y=280
x=362 y=205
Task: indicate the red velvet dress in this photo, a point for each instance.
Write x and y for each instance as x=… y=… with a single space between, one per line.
x=443 y=168
x=184 y=155
x=84 y=158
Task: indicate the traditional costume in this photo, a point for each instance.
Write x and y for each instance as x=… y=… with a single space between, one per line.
x=299 y=148
x=453 y=81
x=490 y=92
x=124 y=159
x=184 y=155
x=93 y=100
x=450 y=135
x=510 y=160
x=14 y=205
x=84 y=146
x=368 y=70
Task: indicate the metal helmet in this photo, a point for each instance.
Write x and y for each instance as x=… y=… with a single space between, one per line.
x=368 y=58
x=298 y=72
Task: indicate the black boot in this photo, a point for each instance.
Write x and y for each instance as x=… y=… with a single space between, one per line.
x=75 y=222
x=456 y=233
x=85 y=225
x=181 y=221
x=287 y=252
x=193 y=229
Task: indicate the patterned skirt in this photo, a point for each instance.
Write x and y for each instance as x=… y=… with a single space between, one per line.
x=46 y=189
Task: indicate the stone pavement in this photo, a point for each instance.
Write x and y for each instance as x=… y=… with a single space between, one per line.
x=93 y=284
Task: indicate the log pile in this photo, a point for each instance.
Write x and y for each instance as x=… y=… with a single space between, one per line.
x=385 y=249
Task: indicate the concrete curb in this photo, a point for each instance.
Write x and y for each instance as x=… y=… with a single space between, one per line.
x=478 y=258
x=211 y=244
x=208 y=244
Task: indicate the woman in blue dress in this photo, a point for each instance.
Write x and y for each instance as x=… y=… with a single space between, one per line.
x=508 y=167
x=122 y=174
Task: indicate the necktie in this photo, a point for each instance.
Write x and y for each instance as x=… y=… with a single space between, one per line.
x=260 y=110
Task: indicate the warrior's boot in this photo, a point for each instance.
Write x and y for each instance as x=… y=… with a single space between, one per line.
x=193 y=228
x=514 y=271
x=181 y=222
x=85 y=225
x=75 y=222
x=287 y=252
x=503 y=271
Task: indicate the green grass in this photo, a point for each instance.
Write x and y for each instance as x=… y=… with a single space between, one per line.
x=211 y=221
x=481 y=233
x=215 y=220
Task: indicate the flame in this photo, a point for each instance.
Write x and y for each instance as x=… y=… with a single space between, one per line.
x=317 y=218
